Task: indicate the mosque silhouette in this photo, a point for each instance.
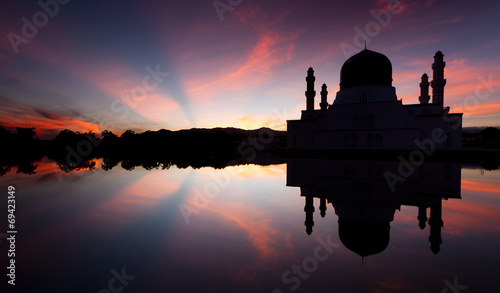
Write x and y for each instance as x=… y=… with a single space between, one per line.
x=365 y=202
x=366 y=112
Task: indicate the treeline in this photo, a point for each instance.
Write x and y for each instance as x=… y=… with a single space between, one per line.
x=20 y=149
x=488 y=138
x=151 y=149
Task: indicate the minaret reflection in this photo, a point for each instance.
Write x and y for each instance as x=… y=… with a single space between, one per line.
x=309 y=209
x=365 y=202
x=436 y=222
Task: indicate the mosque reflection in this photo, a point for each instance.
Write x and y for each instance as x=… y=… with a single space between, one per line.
x=365 y=201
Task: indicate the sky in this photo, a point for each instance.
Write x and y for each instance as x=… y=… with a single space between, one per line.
x=149 y=65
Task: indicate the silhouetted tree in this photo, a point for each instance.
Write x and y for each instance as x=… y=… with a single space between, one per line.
x=91 y=136
x=27 y=168
x=68 y=167
x=128 y=134
x=106 y=134
x=491 y=164
x=67 y=136
x=4 y=170
x=490 y=137
x=128 y=164
x=26 y=133
x=4 y=132
x=109 y=163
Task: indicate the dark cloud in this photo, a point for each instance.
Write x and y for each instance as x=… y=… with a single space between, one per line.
x=46 y=114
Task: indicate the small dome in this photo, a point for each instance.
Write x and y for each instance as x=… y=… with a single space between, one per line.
x=366 y=68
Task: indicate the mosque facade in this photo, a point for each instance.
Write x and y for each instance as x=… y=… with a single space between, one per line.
x=366 y=112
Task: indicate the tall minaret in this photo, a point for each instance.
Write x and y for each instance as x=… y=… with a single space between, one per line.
x=424 y=90
x=309 y=209
x=436 y=222
x=322 y=206
x=422 y=216
x=324 y=97
x=438 y=82
x=310 y=93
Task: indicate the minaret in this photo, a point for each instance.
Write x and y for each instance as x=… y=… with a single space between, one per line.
x=310 y=93
x=322 y=207
x=424 y=90
x=309 y=209
x=324 y=96
x=435 y=222
x=422 y=216
x=438 y=82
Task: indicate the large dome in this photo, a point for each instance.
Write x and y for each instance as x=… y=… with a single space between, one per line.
x=366 y=68
x=364 y=239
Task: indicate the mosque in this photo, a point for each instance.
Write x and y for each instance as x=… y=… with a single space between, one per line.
x=366 y=112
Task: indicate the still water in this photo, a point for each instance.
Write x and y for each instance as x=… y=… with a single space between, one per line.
x=304 y=226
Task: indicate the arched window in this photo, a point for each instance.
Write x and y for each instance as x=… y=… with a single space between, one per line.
x=355 y=121
x=370 y=120
x=347 y=140
x=363 y=98
x=370 y=141
x=364 y=121
x=354 y=140
x=369 y=168
x=354 y=168
x=378 y=140
x=346 y=167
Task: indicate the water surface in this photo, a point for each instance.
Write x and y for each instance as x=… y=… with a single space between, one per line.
x=249 y=228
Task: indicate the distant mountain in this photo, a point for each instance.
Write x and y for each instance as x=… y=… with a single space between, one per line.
x=194 y=147
x=233 y=130
x=476 y=129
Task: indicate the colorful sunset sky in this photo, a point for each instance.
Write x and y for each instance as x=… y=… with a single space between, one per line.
x=147 y=65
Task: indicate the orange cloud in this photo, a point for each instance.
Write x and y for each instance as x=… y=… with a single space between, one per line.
x=475 y=109
x=271 y=47
x=481 y=186
x=467 y=79
x=116 y=81
x=234 y=211
x=46 y=122
x=463 y=218
x=270 y=243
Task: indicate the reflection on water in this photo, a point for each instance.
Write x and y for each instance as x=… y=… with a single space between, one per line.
x=366 y=195
x=424 y=230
